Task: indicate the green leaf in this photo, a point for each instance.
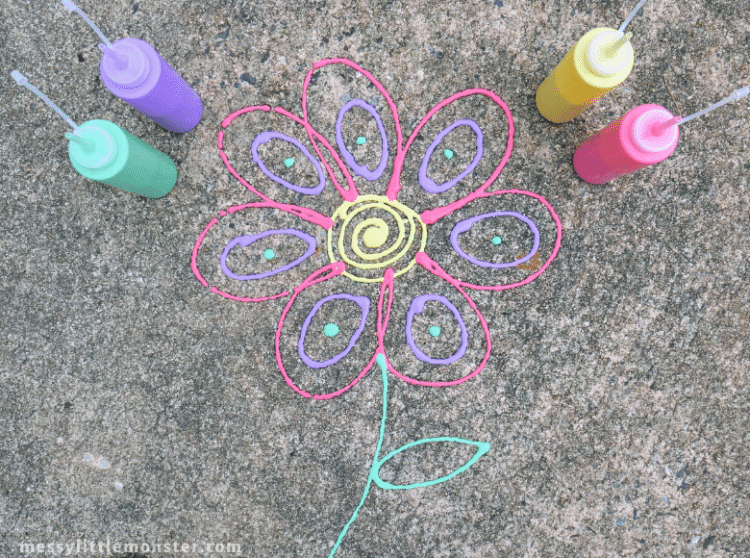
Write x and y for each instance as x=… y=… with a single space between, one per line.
x=482 y=448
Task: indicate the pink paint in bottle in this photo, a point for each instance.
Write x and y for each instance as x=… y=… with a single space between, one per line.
x=628 y=144
x=644 y=136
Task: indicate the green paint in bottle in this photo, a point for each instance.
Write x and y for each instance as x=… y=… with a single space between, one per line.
x=102 y=151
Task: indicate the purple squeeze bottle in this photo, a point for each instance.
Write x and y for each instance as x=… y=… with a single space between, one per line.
x=133 y=70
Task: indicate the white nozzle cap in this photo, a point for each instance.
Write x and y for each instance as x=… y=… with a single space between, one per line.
x=607 y=53
x=648 y=133
x=96 y=148
x=125 y=64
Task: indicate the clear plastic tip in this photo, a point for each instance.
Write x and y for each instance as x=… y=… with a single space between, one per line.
x=71 y=7
x=23 y=81
x=630 y=17
x=19 y=77
x=736 y=94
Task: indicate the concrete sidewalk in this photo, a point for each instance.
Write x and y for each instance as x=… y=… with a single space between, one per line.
x=138 y=407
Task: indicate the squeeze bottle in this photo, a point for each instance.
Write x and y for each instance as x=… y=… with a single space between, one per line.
x=599 y=61
x=644 y=136
x=102 y=151
x=133 y=70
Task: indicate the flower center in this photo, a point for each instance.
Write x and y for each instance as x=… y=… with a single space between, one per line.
x=374 y=233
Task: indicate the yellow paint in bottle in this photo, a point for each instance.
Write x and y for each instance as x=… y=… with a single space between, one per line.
x=600 y=61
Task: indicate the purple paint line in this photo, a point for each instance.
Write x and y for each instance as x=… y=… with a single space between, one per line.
x=466 y=224
x=417 y=307
x=428 y=183
x=362 y=170
x=247 y=240
x=265 y=137
x=362 y=301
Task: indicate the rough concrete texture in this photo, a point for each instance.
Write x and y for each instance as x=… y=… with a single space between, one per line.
x=137 y=406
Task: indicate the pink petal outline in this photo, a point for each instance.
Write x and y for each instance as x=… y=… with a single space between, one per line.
x=303 y=212
x=432 y=215
x=425 y=261
x=555 y=250
x=384 y=318
x=323 y=274
x=291 y=209
x=381 y=89
x=348 y=195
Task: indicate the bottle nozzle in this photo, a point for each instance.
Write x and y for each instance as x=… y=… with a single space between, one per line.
x=19 y=77
x=662 y=127
x=71 y=7
x=120 y=62
x=23 y=80
x=611 y=50
x=628 y=19
x=86 y=145
x=739 y=93
x=736 y=94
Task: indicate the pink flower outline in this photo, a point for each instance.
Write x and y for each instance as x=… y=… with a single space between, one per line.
x=350 y=193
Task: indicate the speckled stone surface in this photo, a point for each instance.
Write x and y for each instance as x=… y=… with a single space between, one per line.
x=137 y=406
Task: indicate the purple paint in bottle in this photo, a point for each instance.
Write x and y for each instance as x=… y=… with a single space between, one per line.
x=133 y=71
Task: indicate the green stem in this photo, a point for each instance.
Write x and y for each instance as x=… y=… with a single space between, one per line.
x=373 y=469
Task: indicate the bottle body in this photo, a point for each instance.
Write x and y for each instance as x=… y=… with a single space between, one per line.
x=158 y=91
x=573 y=86
x=626 y=145
x=122 y=160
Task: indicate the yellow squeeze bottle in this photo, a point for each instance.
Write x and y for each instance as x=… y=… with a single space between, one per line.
x=600 y=61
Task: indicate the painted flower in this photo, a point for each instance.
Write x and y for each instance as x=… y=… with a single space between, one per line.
x=353 y=211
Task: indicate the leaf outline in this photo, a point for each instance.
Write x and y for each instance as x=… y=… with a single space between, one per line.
x=482 y=448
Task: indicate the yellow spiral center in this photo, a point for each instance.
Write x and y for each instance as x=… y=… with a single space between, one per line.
x=376 y=233
x=373 y=244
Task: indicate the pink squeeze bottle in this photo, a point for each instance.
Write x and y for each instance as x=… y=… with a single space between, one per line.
x=644 y=136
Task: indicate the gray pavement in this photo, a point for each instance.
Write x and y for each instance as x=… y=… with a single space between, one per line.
x=137 y=406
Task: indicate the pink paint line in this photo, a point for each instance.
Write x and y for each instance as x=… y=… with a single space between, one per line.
x=194 y=258
x=383 y=318
x=249 y=299
x=348 y=195
x=555 y=250
x=323 y=274
x=395 y=185
x=293 y=210
x=425 y=261
x=228 y=120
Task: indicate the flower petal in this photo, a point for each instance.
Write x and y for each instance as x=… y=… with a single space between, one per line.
x=497 y=241
x=246 y=252
x=270 y=153
x=433 y=339
x=325 y=332
x=456 y=151
x=354 y=111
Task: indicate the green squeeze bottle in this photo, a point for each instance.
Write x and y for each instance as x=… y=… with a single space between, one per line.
x=102 y=151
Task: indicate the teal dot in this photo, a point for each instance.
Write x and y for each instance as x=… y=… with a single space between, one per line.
x=269 y=254
x=331 y=330
x=289 y=162
x=496 y=240
x=448 y=154
x=435 y=331
x=361 y=140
